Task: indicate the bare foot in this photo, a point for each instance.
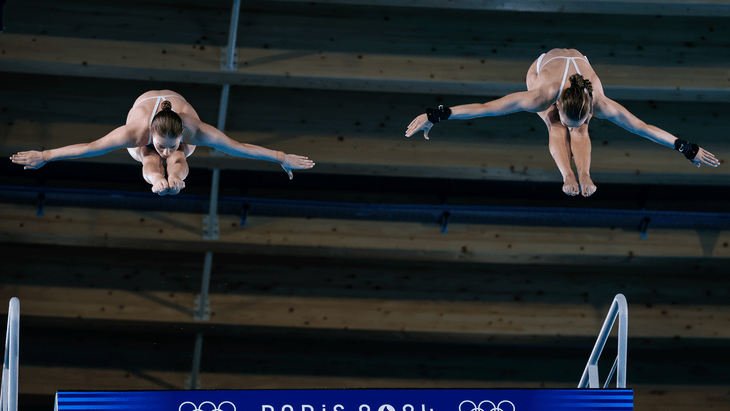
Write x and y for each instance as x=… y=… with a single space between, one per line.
x=570 y=185
x=160 y=187
x=175 y=184
x=587 y=186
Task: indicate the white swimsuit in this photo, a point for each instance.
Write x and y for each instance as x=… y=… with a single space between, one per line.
x=157 y=105
x=567 y=65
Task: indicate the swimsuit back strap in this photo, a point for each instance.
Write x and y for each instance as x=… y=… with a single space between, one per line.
x=154 y=111
x=565 y=76
x=539 y=60
x=157 y=105
x=576 y=65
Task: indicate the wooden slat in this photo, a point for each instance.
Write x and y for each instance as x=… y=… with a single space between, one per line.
x=642 y=7
x=480 y=319
x=338 y=71
x=48 y=380
x=371 y=154
x=78 y=267
x=364 y=239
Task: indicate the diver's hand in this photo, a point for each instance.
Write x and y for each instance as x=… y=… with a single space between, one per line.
x=30 y=159
x=705 y=157
x=419 y=123
x=291 y=162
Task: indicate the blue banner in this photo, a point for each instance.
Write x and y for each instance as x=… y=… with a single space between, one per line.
x=351 y=400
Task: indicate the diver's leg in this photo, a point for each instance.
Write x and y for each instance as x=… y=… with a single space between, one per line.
x=152 y=170
x=177 y=170
x=559 y=145
x=560 y=150
x=580 y=144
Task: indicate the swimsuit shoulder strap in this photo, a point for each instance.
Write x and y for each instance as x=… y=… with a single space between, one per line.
x=539 y=67
x=565 y=74
x=154 y=111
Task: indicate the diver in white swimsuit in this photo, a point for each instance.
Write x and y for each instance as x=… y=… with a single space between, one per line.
x=566 y=111
x=161 y=141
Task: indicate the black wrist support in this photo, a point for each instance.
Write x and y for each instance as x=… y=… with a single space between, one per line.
x=440 y=114
x=689 y=150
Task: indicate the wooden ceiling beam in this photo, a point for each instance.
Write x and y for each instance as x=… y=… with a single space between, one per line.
x=451 y=320
x=355 y=239
x=707 y=8
x=352 y=152
x=335 y=71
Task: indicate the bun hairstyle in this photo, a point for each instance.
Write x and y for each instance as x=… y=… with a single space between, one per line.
x=167 y=123
x=577 y=100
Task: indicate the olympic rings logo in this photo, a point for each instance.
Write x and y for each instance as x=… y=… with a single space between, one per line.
x=200 y=407
x=497 y=407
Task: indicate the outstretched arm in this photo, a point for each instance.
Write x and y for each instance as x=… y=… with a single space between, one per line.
x=122 y=137
x=610 y=110
x=533 y=101
x=207 y=135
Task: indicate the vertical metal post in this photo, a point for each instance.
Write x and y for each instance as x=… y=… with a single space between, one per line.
x=210 y=221
x=202 y=303
x=193 y=382
x=233 y=32
x=213 y=208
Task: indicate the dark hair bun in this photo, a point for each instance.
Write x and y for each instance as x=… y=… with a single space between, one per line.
x=167 y=123
x=576 y=80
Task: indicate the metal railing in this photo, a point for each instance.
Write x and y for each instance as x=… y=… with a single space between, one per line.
x=589 y=379
x=9 y=397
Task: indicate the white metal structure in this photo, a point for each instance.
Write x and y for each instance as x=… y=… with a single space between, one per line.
x=9 y=397
x=619 y=309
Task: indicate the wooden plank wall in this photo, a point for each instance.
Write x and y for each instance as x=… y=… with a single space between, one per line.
x=107 y=295
x=293 y=322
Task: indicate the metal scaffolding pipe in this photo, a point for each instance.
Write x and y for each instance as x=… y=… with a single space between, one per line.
x=233 y=32
x=197 y=353
x=201 y=313
x=213 y=208
x=223 y=110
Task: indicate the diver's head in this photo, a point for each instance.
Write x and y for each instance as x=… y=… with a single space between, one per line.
x=576 y=102
x=166 y=130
